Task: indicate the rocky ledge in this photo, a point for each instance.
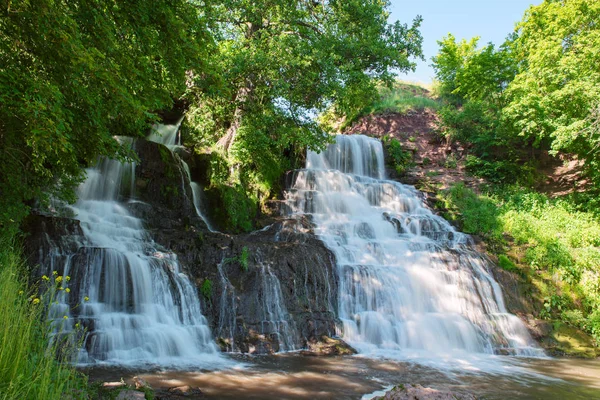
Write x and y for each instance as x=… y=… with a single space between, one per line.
x=268 y=291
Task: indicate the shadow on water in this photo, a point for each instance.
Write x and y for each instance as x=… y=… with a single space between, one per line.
x=292 y=376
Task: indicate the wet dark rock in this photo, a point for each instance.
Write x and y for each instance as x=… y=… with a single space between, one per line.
x=299 y=269
x=237 y=275
x=538 y=328
x=163 y=196
x=131 y=395
x=180 y=392
x=418 y=392
x=172 y=115
x=47 y=234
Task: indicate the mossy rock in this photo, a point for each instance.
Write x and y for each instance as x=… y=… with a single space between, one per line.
x=328 y=346
x=569 y=341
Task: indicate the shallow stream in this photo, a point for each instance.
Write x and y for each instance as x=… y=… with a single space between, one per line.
x=293 y=376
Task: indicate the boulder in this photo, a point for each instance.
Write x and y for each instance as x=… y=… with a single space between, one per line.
x=418 y=392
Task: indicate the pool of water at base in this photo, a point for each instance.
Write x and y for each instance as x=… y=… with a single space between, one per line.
x=294 y=376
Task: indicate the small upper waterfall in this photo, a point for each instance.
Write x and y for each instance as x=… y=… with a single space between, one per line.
x=408 y=280
x=169 y=135
x=134 y=303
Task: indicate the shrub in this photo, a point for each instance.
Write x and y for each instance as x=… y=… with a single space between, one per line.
x=398 y=158
x=243 y=258
x=506 y=264
x=478 y=214
x=206 y=289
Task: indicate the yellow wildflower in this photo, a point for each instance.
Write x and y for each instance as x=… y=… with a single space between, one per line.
x=68 y=290
x=59 y=279
x=86 y=298
x=65 y=317
x=61 y=288
x=77 y=325
x=36 y=301
x=68 y=278
x=45 y=278
x=20 y=292
x=54 y=272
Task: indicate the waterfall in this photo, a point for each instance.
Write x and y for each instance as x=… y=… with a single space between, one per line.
x=408 y=280
x=227 y=310
x=169 y=136
x=136 y=306
x=275 y=319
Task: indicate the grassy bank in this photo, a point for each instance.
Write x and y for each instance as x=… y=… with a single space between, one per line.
x=401 y=98
x=549 y=243
x=28 y=368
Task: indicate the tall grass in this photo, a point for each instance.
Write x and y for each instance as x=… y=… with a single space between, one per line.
x=28 y=367
x=401 y=98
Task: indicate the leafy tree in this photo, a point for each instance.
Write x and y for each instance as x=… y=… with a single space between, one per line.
x=540 y=89
x=277 y=64
x=473 y=82
x=553 y=96
x=74 y=74
x=466 y=72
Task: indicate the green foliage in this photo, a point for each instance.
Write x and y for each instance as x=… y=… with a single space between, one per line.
x=505 y=263
x=236 y=199
x=477 y=214
x=207 y=289
x=540 y=89
x=276 y=64
x=501 y=171
x=397 y=157
x=74 y=74
x=450 y=162
x=558 y=86
x=400 y=98
x=243 y=258
x=468 y=73
x=28 y=368
x=494 y=154
x=240 y=208
x=552 y=237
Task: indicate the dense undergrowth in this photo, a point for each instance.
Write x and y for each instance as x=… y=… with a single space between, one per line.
x=550 y=243
x=28 y=367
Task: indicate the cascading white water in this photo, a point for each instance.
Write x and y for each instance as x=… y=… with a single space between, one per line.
x=275 y=318
x=408 y=280
x=170 y=137
x=136 y=305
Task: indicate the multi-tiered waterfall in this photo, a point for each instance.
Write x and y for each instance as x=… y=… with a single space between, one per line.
x=408 y=280
x=134 y=303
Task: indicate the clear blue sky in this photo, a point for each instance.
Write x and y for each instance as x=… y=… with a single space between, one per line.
x=492 y=20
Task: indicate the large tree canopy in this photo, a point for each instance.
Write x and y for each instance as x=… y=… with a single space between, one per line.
x=558 y=85
x=279 y=62
x=73 y=74
x=541 y=88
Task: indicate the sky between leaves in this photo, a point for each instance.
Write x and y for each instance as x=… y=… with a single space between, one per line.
x=492 y=20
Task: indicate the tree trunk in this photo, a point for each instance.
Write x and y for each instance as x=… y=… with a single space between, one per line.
x=242 y=96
